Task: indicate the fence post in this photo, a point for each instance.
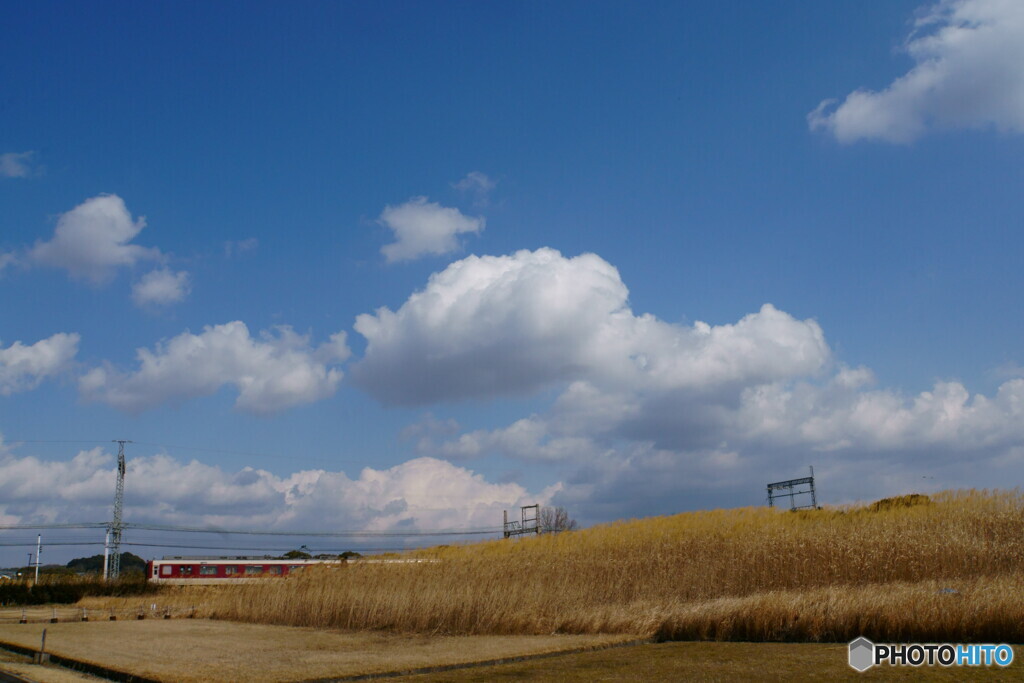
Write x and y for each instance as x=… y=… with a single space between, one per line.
x=41 y=656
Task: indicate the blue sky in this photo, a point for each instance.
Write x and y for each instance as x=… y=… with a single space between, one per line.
x=274 y=153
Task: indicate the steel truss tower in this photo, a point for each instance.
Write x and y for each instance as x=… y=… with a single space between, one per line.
x=116 y=526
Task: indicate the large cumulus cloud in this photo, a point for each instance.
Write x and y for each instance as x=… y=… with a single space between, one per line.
x=647 y=410
x=500 y=325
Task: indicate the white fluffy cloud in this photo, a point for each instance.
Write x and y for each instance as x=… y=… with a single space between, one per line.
x=161 y=287
x=18 y=165
x=494 y=325
x=274 y=371
x=648 y=411
x=423 y=493
x=423 y=227
x=25 y=367
x=93 y=239
x=842 y=415
x=968 y=73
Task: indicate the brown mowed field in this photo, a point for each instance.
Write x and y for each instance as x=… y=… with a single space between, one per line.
x=23 y=667
x=193 y=650
x=707 y=661
x=182 y=652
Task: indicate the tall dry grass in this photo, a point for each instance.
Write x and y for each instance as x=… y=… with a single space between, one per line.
x=696 y=574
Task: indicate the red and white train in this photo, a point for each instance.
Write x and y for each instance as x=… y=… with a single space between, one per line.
x=213 y=570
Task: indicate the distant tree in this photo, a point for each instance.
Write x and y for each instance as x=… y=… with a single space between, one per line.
x=297 y=555
x=55 y=570
x=349 y=555
x=556 y=519
x=94 y=564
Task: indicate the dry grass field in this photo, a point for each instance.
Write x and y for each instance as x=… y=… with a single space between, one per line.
x=903 y=569
x=946 y=569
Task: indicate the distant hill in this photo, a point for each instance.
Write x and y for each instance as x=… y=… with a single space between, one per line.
x=94 y=564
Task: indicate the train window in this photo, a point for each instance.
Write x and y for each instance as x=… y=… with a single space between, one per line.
x=295 y=567
x=230 y=569
x=254 y=569
x=208 y=570
x=185 y=570
x=276 y=569
x=165 y=569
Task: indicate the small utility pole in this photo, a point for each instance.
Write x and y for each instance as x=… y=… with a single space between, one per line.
x=39 y=550
x=106 y=553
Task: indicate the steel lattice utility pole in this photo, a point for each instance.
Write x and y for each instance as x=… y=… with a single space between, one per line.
x=114 y=530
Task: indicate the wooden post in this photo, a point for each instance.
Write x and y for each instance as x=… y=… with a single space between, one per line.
x=41 y=656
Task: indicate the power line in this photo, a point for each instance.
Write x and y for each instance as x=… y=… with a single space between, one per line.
x=250 y=454
x=321 y=534
x=33 y=543
x=11 y=527
x=13 y=442
x=328 y=551
x=472 y=531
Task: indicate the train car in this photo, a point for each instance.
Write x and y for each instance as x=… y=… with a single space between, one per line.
x=214 y=570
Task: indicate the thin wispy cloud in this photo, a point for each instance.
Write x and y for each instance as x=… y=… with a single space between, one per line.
x=478 y=185
x=234 y=248
x=19 y=165
x=161 y=287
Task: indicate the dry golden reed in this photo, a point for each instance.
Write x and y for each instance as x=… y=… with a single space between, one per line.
x=751 y=573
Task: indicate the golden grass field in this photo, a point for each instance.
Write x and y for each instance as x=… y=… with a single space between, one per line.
x=946 y=568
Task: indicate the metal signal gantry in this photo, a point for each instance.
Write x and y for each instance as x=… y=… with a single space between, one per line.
x=791 y=488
